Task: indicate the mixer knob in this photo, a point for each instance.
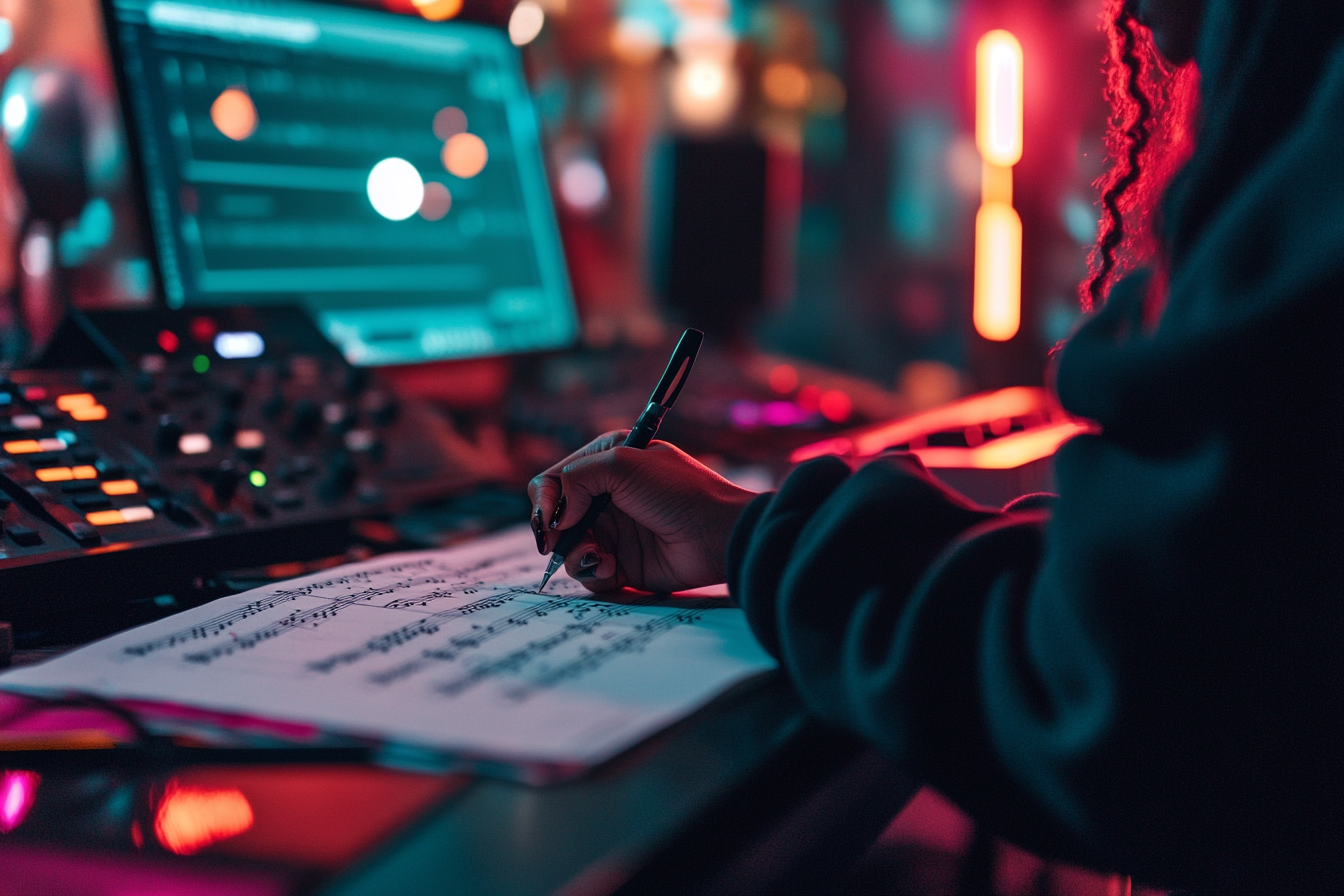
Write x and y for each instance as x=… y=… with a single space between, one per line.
x=307 y=418
x=382 y=409
x=274 y=406
x=341 y=475
x=167 y=434
x=225 y=427
x=231 y=397
x=225 y=483
x=356 y=380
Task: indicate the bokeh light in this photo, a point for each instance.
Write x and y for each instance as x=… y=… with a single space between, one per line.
x=395 y=189
x=17 y=792
x=190 y=818
x=928 y=384
x=783 y=378
x=704 y=92
x=786 y=85
x=835 y=406
x=464 y=155
x=583 y=184
x=437 y=10
x=234 y=114
x=449 y=121
x=436 y=202
x=636 y=41
x=525 y=22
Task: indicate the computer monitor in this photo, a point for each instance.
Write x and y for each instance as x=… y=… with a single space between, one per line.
x=382 y=171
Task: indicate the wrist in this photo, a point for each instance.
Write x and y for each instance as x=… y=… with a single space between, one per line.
x=729 y=507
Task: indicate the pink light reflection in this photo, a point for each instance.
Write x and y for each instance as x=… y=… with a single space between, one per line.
x=18 y=790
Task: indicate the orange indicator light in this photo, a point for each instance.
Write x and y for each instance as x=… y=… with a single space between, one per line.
x=75 y=400
x=65 y=474
x=33 y=446
x=997 y=309
x=120 y=487
x=998 y=98
x=115 y=517
x=104 y=517
x=92 y=412
x=191 y=818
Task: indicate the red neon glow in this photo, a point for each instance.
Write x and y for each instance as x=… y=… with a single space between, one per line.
x=190 y=818
x=203 y=329
x=1007 y=453
x=18 y=790
x=836 y=406
x=997 y=308
x=998 y=98
x=809 y=398
x=783 y=378
x=168 y=341
x=993 y=408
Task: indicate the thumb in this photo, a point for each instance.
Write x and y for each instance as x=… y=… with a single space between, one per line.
x=584 y=478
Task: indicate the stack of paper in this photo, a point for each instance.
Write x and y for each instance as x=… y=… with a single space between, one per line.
x=449 y=651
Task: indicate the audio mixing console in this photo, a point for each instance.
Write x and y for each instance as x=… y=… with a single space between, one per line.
x=209 y=441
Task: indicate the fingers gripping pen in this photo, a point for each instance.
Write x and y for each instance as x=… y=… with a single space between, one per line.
x=645 y=428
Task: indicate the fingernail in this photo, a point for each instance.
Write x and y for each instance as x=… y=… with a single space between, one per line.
x=559 y=511
x=589 y=561
x=586 y=573
x=539 y=532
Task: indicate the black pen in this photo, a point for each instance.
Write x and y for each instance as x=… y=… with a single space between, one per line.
x=646 y=427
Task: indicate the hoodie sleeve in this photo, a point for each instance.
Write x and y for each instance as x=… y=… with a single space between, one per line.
x=1149 y=676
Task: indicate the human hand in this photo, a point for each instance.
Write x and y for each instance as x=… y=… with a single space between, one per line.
x=667 y=526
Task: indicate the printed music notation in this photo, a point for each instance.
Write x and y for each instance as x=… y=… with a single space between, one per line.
x=451 y=650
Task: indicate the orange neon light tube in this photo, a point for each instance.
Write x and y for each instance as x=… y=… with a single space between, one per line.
x=998 y=98
x=997 y=308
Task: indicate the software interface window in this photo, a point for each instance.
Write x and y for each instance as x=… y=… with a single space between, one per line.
x=384 y=173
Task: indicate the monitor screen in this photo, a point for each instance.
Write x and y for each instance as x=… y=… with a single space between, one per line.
x=382 y=171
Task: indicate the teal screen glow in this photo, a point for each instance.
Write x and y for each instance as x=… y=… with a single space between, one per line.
x=381 y=171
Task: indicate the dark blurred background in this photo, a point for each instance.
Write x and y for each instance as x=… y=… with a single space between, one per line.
x=800 y=179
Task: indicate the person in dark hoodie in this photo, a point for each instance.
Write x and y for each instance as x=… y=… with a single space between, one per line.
x=1146 y=673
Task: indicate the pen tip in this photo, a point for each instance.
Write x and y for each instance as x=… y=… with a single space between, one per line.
x=544 y=579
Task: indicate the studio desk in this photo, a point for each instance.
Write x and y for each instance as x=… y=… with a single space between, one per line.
x=749 y=795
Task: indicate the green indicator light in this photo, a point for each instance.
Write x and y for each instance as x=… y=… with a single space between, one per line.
x=200 y=363
x=257 y=478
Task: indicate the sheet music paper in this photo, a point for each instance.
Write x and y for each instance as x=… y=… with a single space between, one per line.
x=449 y=650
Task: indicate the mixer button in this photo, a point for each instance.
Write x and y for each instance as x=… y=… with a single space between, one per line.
x=274 y=406
x=287 y=499
x=24 y=536
x=167 y=436
x=92 y=502
x=306 y=418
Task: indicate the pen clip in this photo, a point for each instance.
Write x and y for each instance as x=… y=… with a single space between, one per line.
x=678 y=368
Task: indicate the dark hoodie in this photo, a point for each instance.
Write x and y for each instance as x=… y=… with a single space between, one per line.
x=1147 y=676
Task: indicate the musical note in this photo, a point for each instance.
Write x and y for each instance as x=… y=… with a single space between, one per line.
x=453 y=650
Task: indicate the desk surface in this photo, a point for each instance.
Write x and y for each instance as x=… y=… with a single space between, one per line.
x=745 y=795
